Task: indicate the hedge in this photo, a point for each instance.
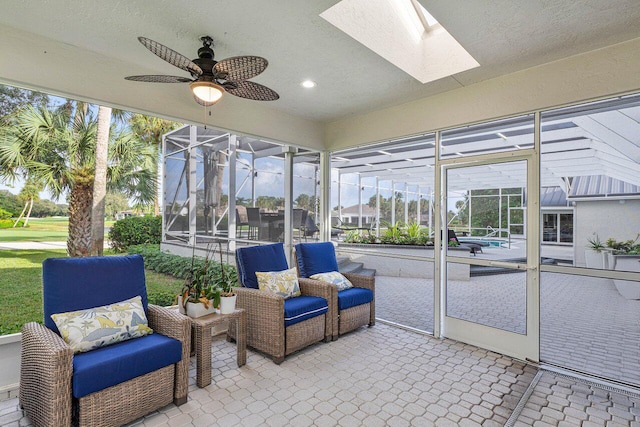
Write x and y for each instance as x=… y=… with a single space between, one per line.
x=135 y=230
x=176 y=265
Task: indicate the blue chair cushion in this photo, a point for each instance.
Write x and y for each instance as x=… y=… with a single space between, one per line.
x=314 y=258
x=304 y=307
x=70 y=284
x=107 y=366
x=259 y=258
x=354 y=296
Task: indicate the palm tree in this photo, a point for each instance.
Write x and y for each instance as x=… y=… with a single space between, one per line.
x=150 y=129
x=100 y=180
x=57 y=149
x=29 y=193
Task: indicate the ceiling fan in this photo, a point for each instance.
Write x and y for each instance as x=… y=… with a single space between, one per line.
x=210 y=78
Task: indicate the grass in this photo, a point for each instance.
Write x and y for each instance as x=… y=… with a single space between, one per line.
x=52 y=229
x=21 y=286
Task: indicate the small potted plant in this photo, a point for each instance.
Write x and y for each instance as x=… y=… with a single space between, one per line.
x=626 y=257
x=225 y=281
x=200 y=294
x=595 y=255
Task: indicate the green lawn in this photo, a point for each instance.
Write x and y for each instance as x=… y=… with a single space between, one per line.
x=40 y=230
x=21 y=286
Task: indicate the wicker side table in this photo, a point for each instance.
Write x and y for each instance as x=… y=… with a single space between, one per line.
x=202 y=339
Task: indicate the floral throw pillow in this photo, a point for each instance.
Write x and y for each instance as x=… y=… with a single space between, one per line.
x=334 y=277
x=283 y=283
x=85 y=330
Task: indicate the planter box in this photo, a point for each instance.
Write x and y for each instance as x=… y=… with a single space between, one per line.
x=627 y=288
x=599 y=260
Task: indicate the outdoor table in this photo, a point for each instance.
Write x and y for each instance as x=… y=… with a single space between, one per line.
x=201 y=328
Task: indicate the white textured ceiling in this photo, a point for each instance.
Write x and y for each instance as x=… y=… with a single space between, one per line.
x=93 y=44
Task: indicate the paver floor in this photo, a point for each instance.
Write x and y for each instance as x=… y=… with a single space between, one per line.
x=380 y=376
x=561 y=401
x=585 y=324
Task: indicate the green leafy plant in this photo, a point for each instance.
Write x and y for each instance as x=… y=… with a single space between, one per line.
x=199 y=285
x=414 y=230
x=223 y=279
x=627 y=247
x=183 y=267
x=135 y=230
x=595 y=244
x=393 y=232
x=453 y=243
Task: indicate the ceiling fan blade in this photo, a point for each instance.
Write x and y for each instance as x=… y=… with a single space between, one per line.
x=255 y=91
x=240 y=68
x=158 y=79
x=171 y=56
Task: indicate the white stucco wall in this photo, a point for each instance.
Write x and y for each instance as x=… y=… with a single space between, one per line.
x=10 y=372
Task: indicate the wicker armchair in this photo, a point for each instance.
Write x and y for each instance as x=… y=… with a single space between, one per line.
x=349 y=309
x=278 y=326
x=53 y=391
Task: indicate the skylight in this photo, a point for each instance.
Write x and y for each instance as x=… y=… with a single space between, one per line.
x=405 y=34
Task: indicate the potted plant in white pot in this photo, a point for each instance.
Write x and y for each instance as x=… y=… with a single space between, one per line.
x=226 y=280
x=626 y=257
x=200 y=294
x=595 y=254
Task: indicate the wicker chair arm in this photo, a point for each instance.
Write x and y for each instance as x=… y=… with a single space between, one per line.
x=360 y=281
x=265 y=320
x=45 y=376
x=255 y=299
x=170 y=323
x=175 y=325
x=317 y=288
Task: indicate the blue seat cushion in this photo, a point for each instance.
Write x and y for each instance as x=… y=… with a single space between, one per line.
x=299 y=309
x=354 y=296
x=107 y=366
x=259 y=258
x=314 y=258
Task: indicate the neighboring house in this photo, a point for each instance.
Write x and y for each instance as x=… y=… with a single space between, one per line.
x=349 y=215
x=125 y=214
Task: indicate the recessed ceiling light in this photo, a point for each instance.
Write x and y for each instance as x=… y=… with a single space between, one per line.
x=308 y=84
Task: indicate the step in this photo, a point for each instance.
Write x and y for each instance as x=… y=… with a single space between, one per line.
x=367 y=272
x=343 y=260
x=350 y=267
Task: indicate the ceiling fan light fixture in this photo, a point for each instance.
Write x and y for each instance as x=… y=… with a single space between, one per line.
x=207 y=92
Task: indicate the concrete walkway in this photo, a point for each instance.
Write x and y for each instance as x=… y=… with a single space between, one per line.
x=33 y=245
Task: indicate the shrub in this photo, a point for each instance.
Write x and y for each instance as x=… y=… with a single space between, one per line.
x=178 y=266
x=8 y=223
x=162 y=298
x=135 y=230
x=5 y=214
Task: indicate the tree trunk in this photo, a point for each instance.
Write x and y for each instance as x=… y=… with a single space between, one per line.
x=100 y=181
x=80 y=204
x=21 y=214
x=26 y=221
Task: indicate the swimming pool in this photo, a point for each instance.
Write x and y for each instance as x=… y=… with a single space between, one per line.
x=496 y=243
